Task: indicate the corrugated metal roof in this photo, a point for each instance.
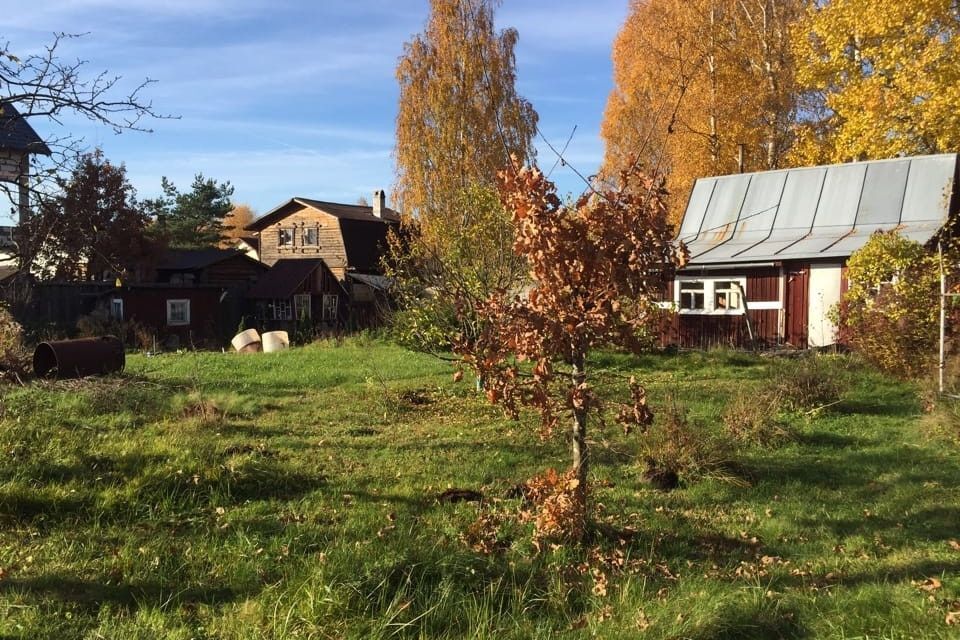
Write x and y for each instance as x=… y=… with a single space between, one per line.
x=816 y=212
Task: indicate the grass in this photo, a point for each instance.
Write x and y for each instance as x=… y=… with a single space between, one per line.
x=293 y=495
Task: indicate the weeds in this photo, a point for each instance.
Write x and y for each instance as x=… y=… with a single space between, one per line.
x=754 y=418
x=676 y=445
x=808 y=383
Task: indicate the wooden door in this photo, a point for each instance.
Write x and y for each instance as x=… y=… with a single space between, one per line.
x=798 y=283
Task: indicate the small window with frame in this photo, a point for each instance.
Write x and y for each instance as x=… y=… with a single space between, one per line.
x=727 y=295
x=282 y=309
x=310 y=237
x=116 y=309
x=178 y=313
x=286 y=238
x=692 y=296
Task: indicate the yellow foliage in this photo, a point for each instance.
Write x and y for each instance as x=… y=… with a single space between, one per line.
x=887 y=75
x=696 y=78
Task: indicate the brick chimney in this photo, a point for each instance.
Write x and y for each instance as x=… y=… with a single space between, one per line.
x=379 y=202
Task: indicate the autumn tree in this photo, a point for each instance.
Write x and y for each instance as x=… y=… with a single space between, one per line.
x=93 y=228
x=883 y=79
x=440 y=284
x=45 y=85
x=597 y=267
x=460 y=118
x=235 y=223
x=195 y=219
x=694 y=79
x=459 y=122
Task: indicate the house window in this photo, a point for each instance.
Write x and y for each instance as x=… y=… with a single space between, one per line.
x=691 y=295
x=178 y=312
x=330 y=303
x=116 y=309
x=309 y=237
x=282 y=309
x=286 y=238
x=301 y=306
x=711 y=295
x=726 y=295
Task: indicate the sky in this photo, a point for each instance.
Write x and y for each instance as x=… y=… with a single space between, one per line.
x=288 y=98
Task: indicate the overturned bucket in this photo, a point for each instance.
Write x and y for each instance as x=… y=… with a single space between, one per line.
x=78 y=358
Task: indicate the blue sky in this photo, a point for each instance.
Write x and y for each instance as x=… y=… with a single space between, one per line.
x=297 y=98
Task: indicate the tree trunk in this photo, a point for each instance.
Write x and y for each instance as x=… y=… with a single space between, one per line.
x=579 y=433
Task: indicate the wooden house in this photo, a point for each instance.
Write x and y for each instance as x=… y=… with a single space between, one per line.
x=772 y=246
x=18 y=141
x=194 y=296
x=340 y=246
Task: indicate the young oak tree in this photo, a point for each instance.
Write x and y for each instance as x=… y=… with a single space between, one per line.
x=459 y=122
x=597 y=268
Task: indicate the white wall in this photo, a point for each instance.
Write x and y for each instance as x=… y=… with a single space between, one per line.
x=824 y=293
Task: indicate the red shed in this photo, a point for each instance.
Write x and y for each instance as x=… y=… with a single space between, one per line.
x=772 y=246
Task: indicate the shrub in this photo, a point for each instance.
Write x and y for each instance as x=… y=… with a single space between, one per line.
x=14 y=361
x=674 y=445
x=807 y=383
x=11 y=333
x=753 y=418
x=890 y=312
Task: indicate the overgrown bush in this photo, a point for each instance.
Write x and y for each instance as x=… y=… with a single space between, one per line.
x=807 y=384
x=132 y=333
x=11 y=333
x=675 y=445
x=754 y=417
x=14 y=360
x=890 y=312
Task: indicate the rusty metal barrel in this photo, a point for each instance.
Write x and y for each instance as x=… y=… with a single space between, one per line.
x=78 y=358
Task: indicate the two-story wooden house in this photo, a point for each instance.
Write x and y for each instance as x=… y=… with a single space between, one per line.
x=325 y=261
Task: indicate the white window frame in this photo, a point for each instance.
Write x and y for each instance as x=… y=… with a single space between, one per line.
x=331 y=303
x=302 y=302
x=282 y=308
x=116 y=309
x=287 y=233
x=710 y=291
x=171 y=306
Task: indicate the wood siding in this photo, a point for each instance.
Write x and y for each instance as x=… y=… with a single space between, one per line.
x=330 y=240
x=704 y=331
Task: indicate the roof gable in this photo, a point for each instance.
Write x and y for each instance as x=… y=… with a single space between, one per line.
x=16 y=134
x=817 y=212
x=193 y=259
x=284 y=278
x=335 y=209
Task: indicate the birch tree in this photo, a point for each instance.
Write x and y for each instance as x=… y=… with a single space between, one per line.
x=460 y=121
x=694 y=80
x=882 y=78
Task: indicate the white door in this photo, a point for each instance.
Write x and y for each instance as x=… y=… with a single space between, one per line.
x=824 y=294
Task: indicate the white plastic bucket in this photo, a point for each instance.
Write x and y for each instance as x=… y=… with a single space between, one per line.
x=246 y=341
x=275 y=341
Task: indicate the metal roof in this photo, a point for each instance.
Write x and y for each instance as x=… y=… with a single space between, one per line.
x=335 y=209
x=817 y=212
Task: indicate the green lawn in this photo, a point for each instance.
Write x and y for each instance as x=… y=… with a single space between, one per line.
x=294 y=495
